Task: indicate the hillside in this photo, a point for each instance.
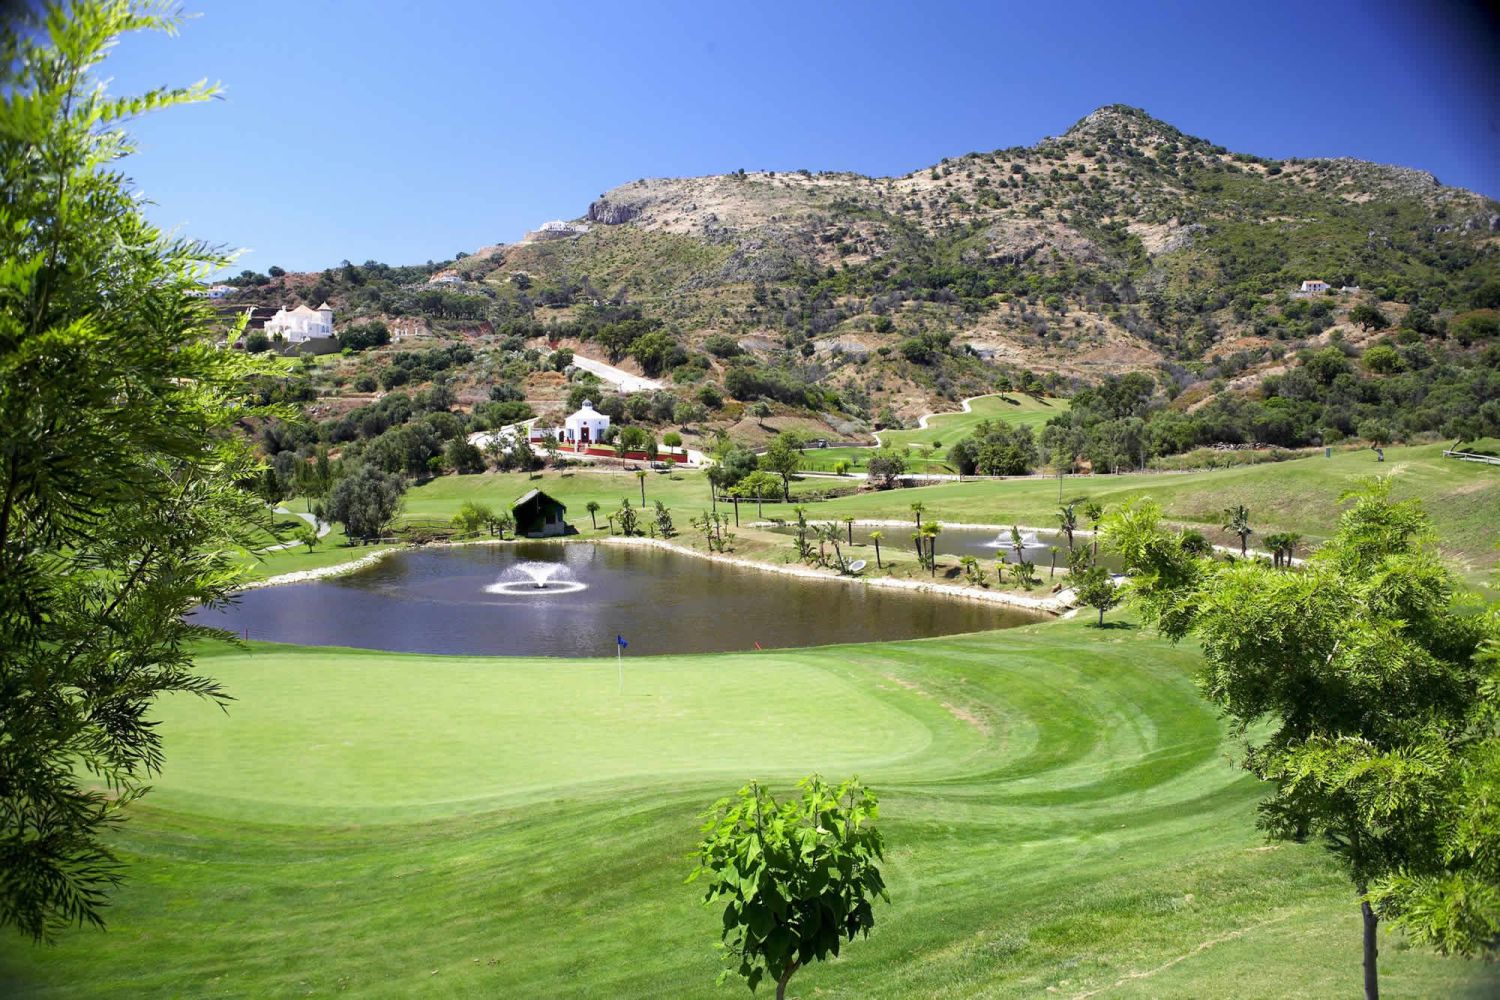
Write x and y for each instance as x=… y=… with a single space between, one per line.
x=1121 y=245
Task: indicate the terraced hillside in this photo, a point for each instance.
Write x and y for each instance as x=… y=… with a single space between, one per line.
x=1059 y=813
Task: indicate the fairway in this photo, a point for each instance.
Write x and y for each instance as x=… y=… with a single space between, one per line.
x=1059 y=812
x=943 y=430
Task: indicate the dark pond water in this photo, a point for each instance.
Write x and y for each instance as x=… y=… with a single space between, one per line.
x=985 y=544
x=484 y=600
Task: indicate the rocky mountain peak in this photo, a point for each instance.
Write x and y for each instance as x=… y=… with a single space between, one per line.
x=1125 y=123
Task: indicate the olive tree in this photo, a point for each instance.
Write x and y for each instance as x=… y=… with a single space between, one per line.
x=125 y=493
x=365 y=501
x=1367 y=699
x=797 y=878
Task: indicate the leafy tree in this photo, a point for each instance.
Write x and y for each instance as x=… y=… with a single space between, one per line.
x=307 y=535
x=121 y=504
x=362 y=336
x=628 y=518
x=885 y=467
x=1383 y=359
x=797 y=878
x=256 y=342
x=365 y=502
x=1237 y=522
x=463 y=457
x=1095 y=589
x=663 y=517
x=471 y=517
x=1368 y=699
x=1368 y=317
x=784 y=458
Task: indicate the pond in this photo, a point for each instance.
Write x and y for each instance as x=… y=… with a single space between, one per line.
x=985 y=544
x=485 y=599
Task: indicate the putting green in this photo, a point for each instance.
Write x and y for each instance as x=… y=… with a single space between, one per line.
x=1059 y=809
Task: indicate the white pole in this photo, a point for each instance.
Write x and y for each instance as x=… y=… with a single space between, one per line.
x=620 y=665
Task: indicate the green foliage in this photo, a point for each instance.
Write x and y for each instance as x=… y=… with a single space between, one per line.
x=784 y=458
x=121 y=498
x=1372 y=700
x=627 y=519
x=363 y=336
x=1094 y=588
x=797 y=878
x=365 y=502
x=1368 y=317
x=306 y=535
x=663 y=520
x=885 y=467
x=1237 y=522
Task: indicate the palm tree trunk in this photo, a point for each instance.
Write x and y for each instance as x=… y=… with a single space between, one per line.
x=877 y=555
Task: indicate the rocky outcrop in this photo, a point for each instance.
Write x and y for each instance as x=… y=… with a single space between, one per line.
x=610 y=213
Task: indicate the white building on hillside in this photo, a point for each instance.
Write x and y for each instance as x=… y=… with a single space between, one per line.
x=1315 y=285
x=301 y=324
x=585 y=427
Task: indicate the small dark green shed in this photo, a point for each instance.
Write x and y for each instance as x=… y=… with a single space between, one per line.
x=539 y=516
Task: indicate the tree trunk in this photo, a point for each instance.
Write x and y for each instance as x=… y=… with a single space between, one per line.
x=594 y=520
x=781 y=983
x=1372 y=979
x=1101 y=617
x=877 y=556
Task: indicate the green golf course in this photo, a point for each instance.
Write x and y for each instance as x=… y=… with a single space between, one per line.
x=1060 y=811
x=926 y=448
x=1299 y=495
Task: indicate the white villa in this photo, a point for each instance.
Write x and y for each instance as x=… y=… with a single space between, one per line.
x=585 y=427
x=1315 y=285
x=301 y=324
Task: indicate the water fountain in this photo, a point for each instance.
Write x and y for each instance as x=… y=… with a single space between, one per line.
x=533 y=578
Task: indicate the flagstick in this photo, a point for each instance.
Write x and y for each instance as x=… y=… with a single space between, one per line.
x=620 y=664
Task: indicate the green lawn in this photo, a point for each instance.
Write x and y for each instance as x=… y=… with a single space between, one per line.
x=943 y=431
x=1059 y=813
x=1462 y=498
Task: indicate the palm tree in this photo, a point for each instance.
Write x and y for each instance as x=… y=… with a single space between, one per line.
x=1094 y=511
x=1282 y=544
x=593 y=508
x=1237 y=522
x=641 y=475
x=1289 y=542
x=930 y=532
x=876 y=536
x=917 y=509
x=1067 y=519
x=849 y=524
x=1053 y=550
x=1016 y=543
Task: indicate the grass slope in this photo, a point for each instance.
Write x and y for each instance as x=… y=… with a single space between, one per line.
x=1059 y=812
x=945 y=430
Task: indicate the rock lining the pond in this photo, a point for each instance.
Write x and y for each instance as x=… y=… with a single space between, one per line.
x=1050 y=605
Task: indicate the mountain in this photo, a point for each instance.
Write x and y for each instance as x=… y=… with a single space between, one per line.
x=1121 y=244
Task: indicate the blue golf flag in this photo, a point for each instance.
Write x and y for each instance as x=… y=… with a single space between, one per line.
x=621 y=640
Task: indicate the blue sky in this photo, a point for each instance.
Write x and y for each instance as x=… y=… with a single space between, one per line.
x=405 y=132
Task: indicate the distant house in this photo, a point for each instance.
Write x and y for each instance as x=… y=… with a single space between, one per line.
x=301 y=324
x=215 y=292
x=1315 y=285
x=446 y=278
x=539 y=516
x=585 y=427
